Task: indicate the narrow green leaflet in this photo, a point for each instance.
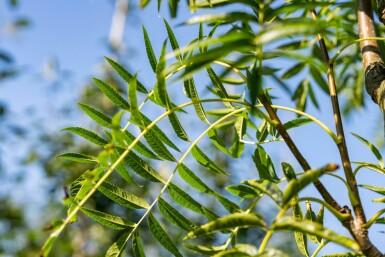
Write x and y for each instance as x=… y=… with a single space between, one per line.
x=122 y=197
x=160 y=88
x=296 y=185
x=230 y=221
x=142 y=168
x=296 y=123
x=118 y=247
x=192 y=179
x=288 y=171
x=139 y=146
x=78 y=157
x=126 y=76
x=380 y=190
x=185 y=200
x=300 y=238
x=217 y=141
x=239 y=250
x=177 y=126
x=88 y=135
x=229 y=205
x=243 y=191
x=372 y=148
x=313 y=228
x=158 y=147
x=205 y=161
x=206 y=250
x=159 y=133
x=111 y=94
x=265 y=186
x=240 y=127
x=143 y=3
x=191 y=92
x=108 y=220
x=161 y=236
x=173 y=40
x=174 y=216
x=122 y=169
x=96 y=115
x=272 y=252
x=150 y=51
x=137 y=247
x=173 y=6
x=264 y=165
x=217 y=83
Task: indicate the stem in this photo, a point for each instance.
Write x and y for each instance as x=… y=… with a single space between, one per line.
x=354 y=226
x=319 y=248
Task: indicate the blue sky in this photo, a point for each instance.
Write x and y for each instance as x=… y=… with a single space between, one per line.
x=74 y=34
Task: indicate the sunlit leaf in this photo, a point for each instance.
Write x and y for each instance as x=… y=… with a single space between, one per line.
x=174 y=216
x=139 y=146
x=108 y=220
x=380 y=190
x=205 y=161
x=172 y=38
x=150 y=51
x=137 y=247
x=243 y=191
x=265 y=186
x=122 y=197
x=118 y=247
x=300 y=238
x=372 y=148
x=88 y=135
x=296 y=123
x=125 y=74
x=114 y=96
x=313 y=228
x=190 y=91
x=264 y=165
x=233 y=220
x=206 y=250
x=192 y=179
x=100 y=118
x=161 y=236
x=122 y=169
x=78 y=157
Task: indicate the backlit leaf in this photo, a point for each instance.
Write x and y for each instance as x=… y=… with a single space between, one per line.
x=137 y=247
x=205 y=161
x=78 y=157
x=108 y=220
x=96 y=115
x=122 y=197
x=264 y=165
x=118 y=247
x=114 y=96
x=174 y=216
x=150 y=51
x=88 y=135
x=372 y=148
x=230 y=221
x=161 y=236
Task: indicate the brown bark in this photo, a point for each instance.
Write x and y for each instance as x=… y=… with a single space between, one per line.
x=381 y=10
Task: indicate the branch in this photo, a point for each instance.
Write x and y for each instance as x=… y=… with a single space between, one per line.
x=293 y=148
x=381 y=10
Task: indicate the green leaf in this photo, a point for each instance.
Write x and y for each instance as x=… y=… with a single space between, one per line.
x=264 y=165
x=108 y=220
x=161 y=236
x=159 y=133
x=296 y=123
x=269 y=188
x=122 y=197
x=225 y=18
x=239 y=250
x=137 y=247
x=288 y=171
x=372 y=148
x=294 y=70
x=243 y=191
x=206 y=250
x=318 y=77
x=313 y=228
x=142 y=168
x=160 y=88
x=139 y=146
x=205 y=161
x=150 y=51
x=111 y=94
x=185 y=200
x=229 y=205
x=125 y=75
x=173 y=40
x=217 y=140
x=240 y=127
x=143 y=3
x=88 y=135
x=234 y=220
x=217 y=83
x=122 y=169
x=96 y=115
x=117 y=248
x=296 y=185
x=300 y=238
x=380 y=190
x=158 y=147
x=192 y=179
x=78 y=157
x=174 y=216
x=191 y=92
x=173 y=6
x=177 y=126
